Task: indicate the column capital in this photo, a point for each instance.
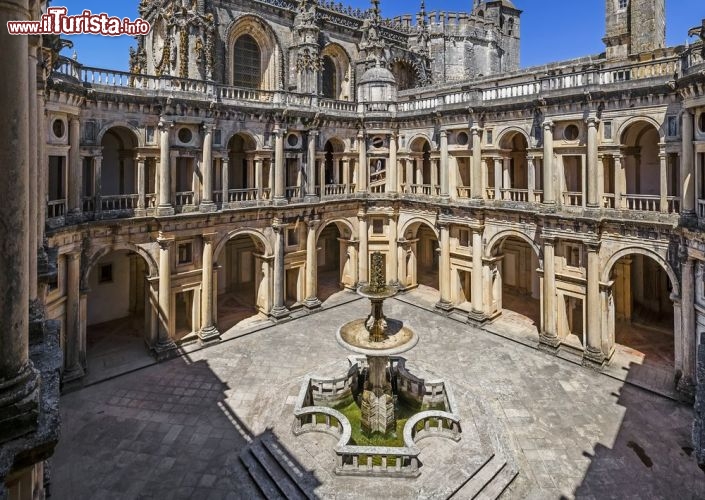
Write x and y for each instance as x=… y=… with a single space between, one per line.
x=443 y=224
x=74 y=119
x=164 y=123
x=313 y=223
x=592 y=246
x=209 y=237
x=549 y=240
x=592 y=121
x=278 y=225
x=278 y=131
x=207 y=127
x=314 y=132
x=475 y=129
x=74 y=255
x=164 y=242
x=444 y=132
x=361 y=134
x=548 y=124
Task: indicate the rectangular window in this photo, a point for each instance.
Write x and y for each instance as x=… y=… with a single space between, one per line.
x=185 y=253
x=572 y=255
x=377 y=226
x=106 y=273
x=464 y=238
x=607 y=130
x=150 y=135
x=217 y=137
x=623 y=4
x=489 y=136
x=672 y=126
x=292 y=237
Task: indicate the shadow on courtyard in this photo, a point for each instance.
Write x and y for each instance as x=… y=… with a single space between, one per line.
x=165 y=433
x=649 y=456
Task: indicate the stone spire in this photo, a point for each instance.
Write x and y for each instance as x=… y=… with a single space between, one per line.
x=372 y=44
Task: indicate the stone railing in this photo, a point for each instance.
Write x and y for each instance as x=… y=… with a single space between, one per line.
x=184 y=198
x=294 y=192
x=608 y=200
x=674 y=204
x=150 y=200
x=355 y=460
x=345 y=106
x=490 y=193
x=520 y=195
x=242 y=195
x=464 y=191
x=240 y=94
x=118 y=202
x=573 y=198
x=425 y=189
x=88 y=204
x=56 y=208
x=643 y=202
x=334 y=190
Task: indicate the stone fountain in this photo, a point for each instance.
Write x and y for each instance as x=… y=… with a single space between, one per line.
x=377 y=338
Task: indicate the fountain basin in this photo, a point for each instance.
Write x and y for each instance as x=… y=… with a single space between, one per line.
x=355 y=337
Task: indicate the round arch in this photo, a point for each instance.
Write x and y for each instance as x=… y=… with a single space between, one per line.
x=136 y=136
x=254 y=233
x=93 y=259
x=272 y=57
x=509 y=133
x=419 y=220
x=341 y=60
x=607 y=270
x=624 y=128
x=507 y=233
x=337 y=143
x=249 y=138
x=338 y=222
x=415 y=139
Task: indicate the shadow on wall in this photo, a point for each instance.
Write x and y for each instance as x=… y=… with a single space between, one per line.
x=168 y=433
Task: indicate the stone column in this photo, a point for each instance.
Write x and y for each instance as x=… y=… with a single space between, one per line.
x=207 y=204
x=593 y=352
x=279 y=168
x=346 y=175
x=531 y=177
x=311 y=169
x=507 y=178
x=208 y=331
x=445 y=303
x=663 y=181
x=498 y=178
x=312 y=301
x=409 y=177
x=363 y=258
x=225 y=179
x=445 y=183
x=477 y=274
x=686 y=384
x=279 y=311
x=362 y=168
x=258 y=177
x=593 y=187
x=687 y=166
x=140 y=184
x=549 y=196
x=73 y=370
x=393 y=253
x=164 y=207
x=98 y=182
x=619 y=183
x=75 y=170
x=549 y=336
x=35 y=157
x=392 y=169
x=477 y=188
x=19 y=389
x=164 y=342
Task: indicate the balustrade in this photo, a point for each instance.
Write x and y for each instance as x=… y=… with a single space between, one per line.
x=334 y=190
x=515 y=194
x=150 y=200
x=88 y=204
x=293 y=192
x=573 y=198
x=56 y=208
x=118 y=202
x=184 y=198
x=464 y=191
x=643 y=202
x=608 y=200
x=242 y=195
x=701 y=208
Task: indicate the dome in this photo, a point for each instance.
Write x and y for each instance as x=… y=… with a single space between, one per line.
x=378 y=75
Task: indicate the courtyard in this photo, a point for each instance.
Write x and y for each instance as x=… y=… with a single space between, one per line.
x=177 y=429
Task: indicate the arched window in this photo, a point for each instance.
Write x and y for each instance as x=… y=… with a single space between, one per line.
x=330 y=83
x=247 y=63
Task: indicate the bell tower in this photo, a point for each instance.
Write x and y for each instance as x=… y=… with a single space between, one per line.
x=634 y=26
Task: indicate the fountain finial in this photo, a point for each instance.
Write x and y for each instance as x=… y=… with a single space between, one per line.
x=377 y=284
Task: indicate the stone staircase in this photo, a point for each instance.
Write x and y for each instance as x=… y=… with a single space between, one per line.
x=488 y=482
x=275 y=473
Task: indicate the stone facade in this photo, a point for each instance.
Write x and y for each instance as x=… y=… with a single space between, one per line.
x=162 y=189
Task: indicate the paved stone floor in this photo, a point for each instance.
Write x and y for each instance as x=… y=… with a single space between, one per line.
x=175 y=430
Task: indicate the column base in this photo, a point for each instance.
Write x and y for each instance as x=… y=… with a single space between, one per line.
x=445 y=199
x=73 y=217
x=73 y=373
x=165 y=210
x=444 y=306
x=140 y=212
x=312 y=303
x=279 y=201
x=549 y=343
x=686 y=389
x=311 y=199
x=477 y=318
x=594 y=358
x=19 y=400
x=163 y=350
x=279 y=313
x=207 y=207
x=209 y=334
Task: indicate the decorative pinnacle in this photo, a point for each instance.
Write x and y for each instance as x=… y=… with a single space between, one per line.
x=375 y=10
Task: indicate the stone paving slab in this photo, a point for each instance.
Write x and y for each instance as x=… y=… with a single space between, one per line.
x=175 y=430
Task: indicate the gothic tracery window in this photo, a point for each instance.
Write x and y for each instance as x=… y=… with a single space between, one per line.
x=330 y=84
x=247 y=63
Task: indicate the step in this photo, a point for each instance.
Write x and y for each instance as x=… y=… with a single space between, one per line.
x=481 y=479
x=306 y=481
x=276 y=472
x=260 y=476
x=499 y=484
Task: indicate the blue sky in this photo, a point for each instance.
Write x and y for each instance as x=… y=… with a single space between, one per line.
x=552 y=30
